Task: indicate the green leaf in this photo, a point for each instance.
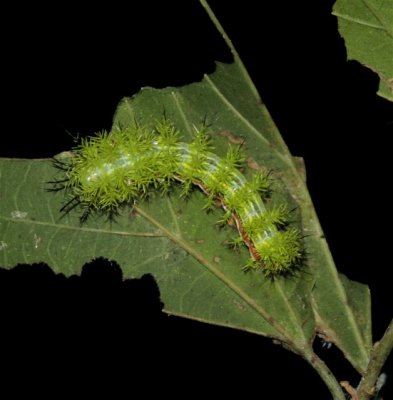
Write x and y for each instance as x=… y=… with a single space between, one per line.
x=175 y=240
x=367 y=27
x=180 y=244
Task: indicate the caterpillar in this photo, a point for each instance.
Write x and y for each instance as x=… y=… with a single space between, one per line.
x=118 y=168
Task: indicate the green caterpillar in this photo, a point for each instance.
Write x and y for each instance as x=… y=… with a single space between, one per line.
x=120 y=167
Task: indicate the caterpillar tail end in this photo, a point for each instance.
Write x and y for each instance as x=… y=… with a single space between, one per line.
x=279 y=255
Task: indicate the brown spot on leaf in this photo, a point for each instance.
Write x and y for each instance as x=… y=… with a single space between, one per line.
x=240 y=306
x=254 y=165
x=233 y=138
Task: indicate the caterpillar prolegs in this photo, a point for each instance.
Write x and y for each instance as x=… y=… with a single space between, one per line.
x=120 y=167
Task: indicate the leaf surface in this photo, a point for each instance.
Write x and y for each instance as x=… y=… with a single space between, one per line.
x=367 y=28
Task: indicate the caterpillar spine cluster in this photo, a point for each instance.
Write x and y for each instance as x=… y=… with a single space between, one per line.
x=120 y=167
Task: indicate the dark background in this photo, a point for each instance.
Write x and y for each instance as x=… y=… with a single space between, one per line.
x=64 y=71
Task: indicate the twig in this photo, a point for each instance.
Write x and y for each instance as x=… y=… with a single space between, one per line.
x=327 y=376
x=379 y=354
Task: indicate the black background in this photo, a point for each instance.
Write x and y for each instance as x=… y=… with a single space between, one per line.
x=65 y=69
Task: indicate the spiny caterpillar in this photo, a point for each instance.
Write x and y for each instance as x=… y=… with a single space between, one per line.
x=120 y=167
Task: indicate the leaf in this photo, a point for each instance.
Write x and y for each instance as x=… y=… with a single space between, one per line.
x=177 y=241
x=367 y=27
